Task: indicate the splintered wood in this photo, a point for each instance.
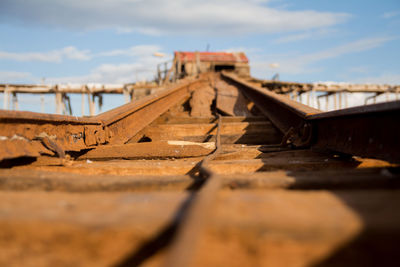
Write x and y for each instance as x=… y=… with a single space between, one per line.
x=122 y=204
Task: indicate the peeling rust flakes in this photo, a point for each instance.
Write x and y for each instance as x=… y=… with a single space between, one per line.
x=18 y=148
x=96 y=135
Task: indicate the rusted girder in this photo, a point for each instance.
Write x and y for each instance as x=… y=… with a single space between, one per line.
x=368 y=131
x=70 y=133
x=196 y=218
x=287 y=115
x=126 y=121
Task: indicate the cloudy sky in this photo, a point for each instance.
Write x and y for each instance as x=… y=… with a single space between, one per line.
x=113 y=41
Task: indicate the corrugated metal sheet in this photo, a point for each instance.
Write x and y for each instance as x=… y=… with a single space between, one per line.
x=213 y=56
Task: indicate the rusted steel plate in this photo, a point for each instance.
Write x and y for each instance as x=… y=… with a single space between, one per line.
x=18 y=148
x=285 y=103
x=21 y=116
x=68 y=132
x=257 y=226
x=287 y=115
x=126 y=121
x=369 y=131
x=71 y=133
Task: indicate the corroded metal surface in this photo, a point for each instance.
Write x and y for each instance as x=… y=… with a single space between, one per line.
x=287 y=115
x=135 y=191
x=369 y=131
x=74 y=134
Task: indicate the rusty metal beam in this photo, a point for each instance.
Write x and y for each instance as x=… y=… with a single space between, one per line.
x=126 y=121
x=71 y=133
x=367 y=131
x=284 y=87
x=287 y=115
x=184 y=245
x=65 y=88
x=68 y=132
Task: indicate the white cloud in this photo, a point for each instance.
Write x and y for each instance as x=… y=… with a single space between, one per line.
x=360 y=69
x=303 y=63
x=71 y=52
x=144 y=67
x=105 y=73
x=134 y=51
x=384 y=78
x=56 y=56
x=293 y=38
x=14 y=76
x=349 y=48
x=246 y=50
x=110 y=74
x=391 y=14
x=160 y=16
x=315 y=34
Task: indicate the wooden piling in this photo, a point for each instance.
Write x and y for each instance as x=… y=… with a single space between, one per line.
x=83 y=104
x=42 y=103
x=126 y=94
x=334 y=101
x=326 y=102
x=92 y=107
x=58 y=102
x=15 y=101
x=6 y=97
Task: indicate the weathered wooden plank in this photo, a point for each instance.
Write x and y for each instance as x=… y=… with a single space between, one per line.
x=79 y=229
x=233 y=132
x=224 y=119
x=281 y=228
x=210 y=128
x=187 y=165
x=150 y=150
x=365 y=178
x=252 y=139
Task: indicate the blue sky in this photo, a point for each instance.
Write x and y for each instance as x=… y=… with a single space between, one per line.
x=113 y=41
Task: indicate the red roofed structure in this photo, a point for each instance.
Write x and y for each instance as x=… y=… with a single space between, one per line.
x=193 y=63
x=212 y=57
